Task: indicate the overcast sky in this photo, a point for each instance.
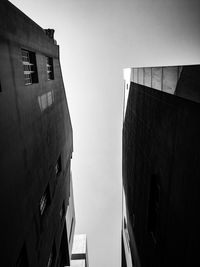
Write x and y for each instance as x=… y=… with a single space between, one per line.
x=98 y=38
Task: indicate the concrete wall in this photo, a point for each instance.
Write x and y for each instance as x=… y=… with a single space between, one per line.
x=161 y=151
x=31 y=141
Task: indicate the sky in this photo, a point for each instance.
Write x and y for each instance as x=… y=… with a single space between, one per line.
x=97 y=39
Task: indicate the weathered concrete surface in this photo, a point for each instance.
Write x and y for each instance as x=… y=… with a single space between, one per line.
x=31 y=142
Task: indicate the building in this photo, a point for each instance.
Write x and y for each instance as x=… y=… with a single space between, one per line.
x=161 y=167
x=70 y=218
x=35 y=146
x=79 y=256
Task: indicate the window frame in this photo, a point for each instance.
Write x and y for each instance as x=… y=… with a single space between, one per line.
x=50 y=68
x=29 y=66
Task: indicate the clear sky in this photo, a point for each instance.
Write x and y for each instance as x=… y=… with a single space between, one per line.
x=98 y=38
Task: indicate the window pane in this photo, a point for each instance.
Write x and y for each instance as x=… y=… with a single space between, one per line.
x=135 y=75
x=29 y=67
x=50 y=73
x=157 y=78
x=147 y=77
x=170 y=78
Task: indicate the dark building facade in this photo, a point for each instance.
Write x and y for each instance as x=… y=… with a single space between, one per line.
x=161 y=167
x=35 y=146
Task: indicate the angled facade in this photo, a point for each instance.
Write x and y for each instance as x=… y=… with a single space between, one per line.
x=36 y=146
x=161 y=167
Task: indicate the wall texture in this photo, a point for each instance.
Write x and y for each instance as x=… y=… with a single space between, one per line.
x=33 y=140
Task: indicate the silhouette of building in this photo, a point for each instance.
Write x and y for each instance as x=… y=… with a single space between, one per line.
x=79 y=256
x=35 y=146
x=161 y=167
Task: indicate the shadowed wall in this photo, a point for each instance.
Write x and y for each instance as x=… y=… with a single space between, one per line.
x=161 y=173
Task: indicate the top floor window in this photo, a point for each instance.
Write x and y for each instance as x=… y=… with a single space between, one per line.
x=29 y=66
x=50 y=73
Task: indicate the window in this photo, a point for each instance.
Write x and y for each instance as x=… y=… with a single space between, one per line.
x=170 y=79
x=157 y=78
x=147 y=77
x=50 y=73
x=22 y=260
x=50 y=98
x=46 y=100
x=135 y=75
x=44 y=201
x=141 y=76
x=58 y=166
x=30 y=68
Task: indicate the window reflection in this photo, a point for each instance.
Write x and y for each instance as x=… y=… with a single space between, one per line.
x=46 y=100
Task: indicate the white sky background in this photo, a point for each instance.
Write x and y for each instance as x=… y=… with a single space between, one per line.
x=98 y=38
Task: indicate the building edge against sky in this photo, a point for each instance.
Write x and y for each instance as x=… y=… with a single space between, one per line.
x=36 y=192
x=80 y=251
x=161 y=166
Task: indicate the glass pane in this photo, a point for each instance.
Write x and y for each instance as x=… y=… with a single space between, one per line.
x=170 y=78
x=135 y=75
x=157 y=78
x=147 y=77
x=141 y=76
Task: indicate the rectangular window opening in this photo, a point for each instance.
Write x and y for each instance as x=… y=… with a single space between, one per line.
x=50 y=72
x=29 y=66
